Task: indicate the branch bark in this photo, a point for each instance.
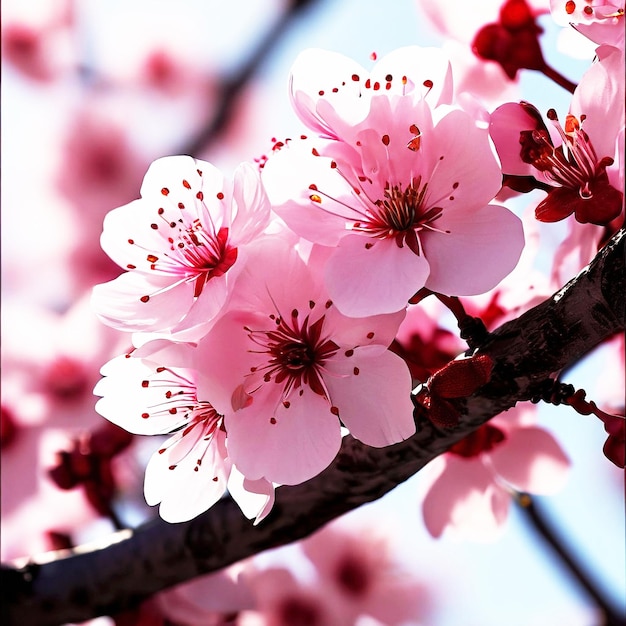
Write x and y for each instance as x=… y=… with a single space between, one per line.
x=138 y=563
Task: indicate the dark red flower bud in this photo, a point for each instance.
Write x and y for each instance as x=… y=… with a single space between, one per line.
x=462 y=377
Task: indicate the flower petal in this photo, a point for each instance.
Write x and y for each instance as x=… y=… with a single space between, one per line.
x=482 y=247
x=132 y=390
x=285 y=445
x=183 y=486
x=531 y=460
x=365 y=279
x=465 y=501
x=372 y=391
x=119 y=303
x=254 y=497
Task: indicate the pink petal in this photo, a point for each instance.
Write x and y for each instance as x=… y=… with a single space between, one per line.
x=118 y=303
x=600 y=98
x=288 y=176
x=365 y=280
x=254 y=497
x=372 y=390
x=314 y=75
x=361 y=331
x=182 y=491
x=251 y=209
x=463 y=171
x=465 y=500
x=296 y=445
x=419 y=65
x=129 y=387
x=507 y=121
x=531 y=460
x=482 y=247
x=206 y=308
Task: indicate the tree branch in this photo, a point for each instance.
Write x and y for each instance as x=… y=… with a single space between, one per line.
x=157 y=555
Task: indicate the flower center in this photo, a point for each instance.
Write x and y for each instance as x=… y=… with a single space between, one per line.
x=400 y=215
x=206 y=254
x=294 y=353
x=574 y=164
x=198 y=250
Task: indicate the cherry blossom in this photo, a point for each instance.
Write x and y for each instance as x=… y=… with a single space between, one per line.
x=502 y=34
x=283 y=600
x=284 y=367
x=36 y=38
x=470 y=488
x=461 y=20
x=573 y=161
x=182 y=244
x=190 y=471
x=599 y=20
x=400 y=191
x=358 y=572
x=209 y=600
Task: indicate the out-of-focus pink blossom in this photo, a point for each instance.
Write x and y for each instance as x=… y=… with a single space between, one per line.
x=98 y=168
x=600 y=21
x=88 y=463
x=36 y=37
x=462 y=20
x=502 y=34
x=358 y=573
x=182 y=243
x=212 y=600
x=282 y=600
x=400 y=191
x=50 y=363
x=470 y=489
x=611 y=400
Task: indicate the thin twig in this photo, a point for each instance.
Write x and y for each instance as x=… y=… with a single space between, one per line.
x=536 y=516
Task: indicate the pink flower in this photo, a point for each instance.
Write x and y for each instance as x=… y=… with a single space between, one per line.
x=471 y=490
x=573 y=163
x=284 y=367
x=462 y=20
x=401 y=191
x=208 y=600
x=358 y=574
x=182 y=243
x=282 y=600
x=36 y=38
x=190 y=471
x=598 y=20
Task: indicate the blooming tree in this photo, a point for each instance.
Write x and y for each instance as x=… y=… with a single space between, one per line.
x=295 y=339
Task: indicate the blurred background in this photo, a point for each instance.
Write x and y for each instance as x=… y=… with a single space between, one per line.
x=93 y=91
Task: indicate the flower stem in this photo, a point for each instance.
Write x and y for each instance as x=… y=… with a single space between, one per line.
x=472 y=328
x=558 y=78
x=540 y=523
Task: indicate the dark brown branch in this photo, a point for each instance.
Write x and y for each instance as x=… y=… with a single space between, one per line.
x=157 y=555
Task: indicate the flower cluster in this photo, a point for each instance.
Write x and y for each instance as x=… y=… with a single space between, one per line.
x=263 y=308
x=257 y=339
